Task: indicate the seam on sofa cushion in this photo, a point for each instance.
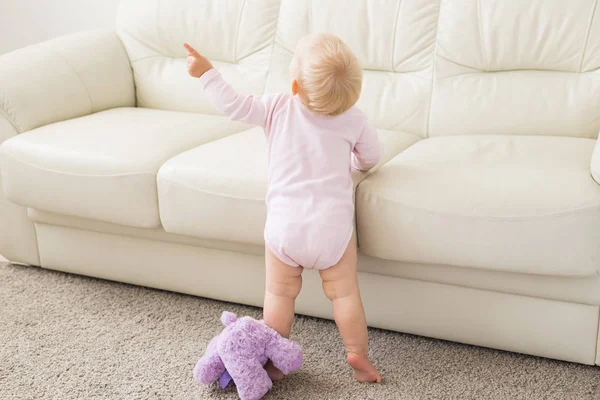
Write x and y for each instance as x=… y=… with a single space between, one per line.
x=183 y=58
x=37 y=243
x=210 y=193
x=393 y=68
x=488 y=218
x=587 y=36
x=433 y=71
x=273 y=49
x=595 y=177
x=479 y=72
x=13 y=123
x=481 y=35
x=76 y=174
x=76 y=73
x=239 y=25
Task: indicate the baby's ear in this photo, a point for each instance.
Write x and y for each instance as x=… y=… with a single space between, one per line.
x=294 y=87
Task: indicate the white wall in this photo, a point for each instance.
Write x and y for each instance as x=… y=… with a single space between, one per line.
x=25 y=22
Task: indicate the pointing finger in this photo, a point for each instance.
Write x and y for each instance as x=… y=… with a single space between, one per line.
x=191 y=50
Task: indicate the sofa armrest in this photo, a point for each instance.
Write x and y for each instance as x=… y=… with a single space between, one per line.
x=65 y=78
x=595 y=164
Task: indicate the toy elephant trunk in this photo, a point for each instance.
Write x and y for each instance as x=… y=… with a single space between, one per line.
x=239 y=353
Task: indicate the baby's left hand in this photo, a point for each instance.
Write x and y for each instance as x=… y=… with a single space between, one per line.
x=197 y=64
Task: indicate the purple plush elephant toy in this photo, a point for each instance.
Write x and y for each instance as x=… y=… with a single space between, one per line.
x=239 y=353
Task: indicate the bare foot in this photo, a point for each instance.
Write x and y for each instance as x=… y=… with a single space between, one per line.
x=274 y=373
x=364 y=371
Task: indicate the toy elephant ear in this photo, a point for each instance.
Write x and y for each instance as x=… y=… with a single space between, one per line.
x=228 y=318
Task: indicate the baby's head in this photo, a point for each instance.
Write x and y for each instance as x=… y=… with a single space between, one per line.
x=326 y=74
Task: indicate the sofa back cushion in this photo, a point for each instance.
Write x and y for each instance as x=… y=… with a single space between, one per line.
x=517 y=67
x=236 y=35
x=432 y=67
x=394 y=41
x=252 y=41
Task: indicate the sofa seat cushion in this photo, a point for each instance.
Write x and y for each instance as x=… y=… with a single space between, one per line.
x=218 y=190
x=103 y=166
x=507 y=203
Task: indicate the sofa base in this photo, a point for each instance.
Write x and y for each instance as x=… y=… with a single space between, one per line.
x=541 y=327
x=17 y=235
x=570 y=289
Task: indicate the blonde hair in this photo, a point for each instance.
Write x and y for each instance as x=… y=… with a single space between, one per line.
x=328 y=74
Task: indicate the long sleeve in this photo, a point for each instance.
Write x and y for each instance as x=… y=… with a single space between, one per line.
x=255 y=110
x=368 y=150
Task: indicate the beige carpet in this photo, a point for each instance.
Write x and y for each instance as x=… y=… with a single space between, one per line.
x=69 y=337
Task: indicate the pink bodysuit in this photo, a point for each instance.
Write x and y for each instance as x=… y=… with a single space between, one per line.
x=310 y=208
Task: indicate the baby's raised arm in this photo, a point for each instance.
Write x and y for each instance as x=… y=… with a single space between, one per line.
x=255 y=110
x=368 y=150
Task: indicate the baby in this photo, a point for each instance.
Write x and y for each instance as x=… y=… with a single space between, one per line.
x=315 y=137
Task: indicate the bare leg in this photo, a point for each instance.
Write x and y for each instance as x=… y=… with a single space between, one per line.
x=340 y=283
x=282 y=287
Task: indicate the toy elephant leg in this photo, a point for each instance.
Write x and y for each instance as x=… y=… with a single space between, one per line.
x=250 y=378
x=209 y=367
x=284 y=354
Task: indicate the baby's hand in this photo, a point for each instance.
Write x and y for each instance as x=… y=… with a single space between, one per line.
x=197 y=64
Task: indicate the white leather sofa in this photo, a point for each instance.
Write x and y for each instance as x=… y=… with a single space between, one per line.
x=481 y=225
